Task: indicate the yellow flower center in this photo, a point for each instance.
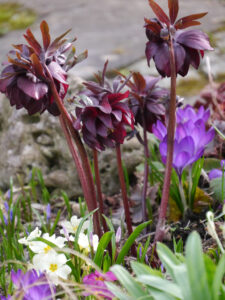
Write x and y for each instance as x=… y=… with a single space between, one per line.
x=47 y=249
x=53 y=267
x=75 y=228
x=100 y=278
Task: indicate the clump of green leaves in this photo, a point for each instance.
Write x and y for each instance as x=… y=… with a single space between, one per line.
x=190 y=277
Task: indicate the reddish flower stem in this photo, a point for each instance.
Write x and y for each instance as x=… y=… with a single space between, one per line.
x=146 y=168
x=99 y=190
x=90 y=193
x=170 y=145
x=124 y=195
x=76 y=159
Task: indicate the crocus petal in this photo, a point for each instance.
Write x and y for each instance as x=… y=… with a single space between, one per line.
x=159 y=130
x=215 y=173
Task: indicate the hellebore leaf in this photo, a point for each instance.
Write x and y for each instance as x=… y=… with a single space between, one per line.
x=189 y=21
x=159 y=12
x=32 y=41
x=173 y=9
x=45 y=34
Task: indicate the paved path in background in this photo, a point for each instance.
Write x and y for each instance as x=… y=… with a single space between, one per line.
x=110 y=29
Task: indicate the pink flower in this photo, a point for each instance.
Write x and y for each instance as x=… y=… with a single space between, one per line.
x=96 y=283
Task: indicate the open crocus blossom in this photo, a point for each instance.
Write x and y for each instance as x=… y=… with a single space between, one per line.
x=24 y=80
x=102 y=116
x=95 y=282
x=188 y=45
x=191 y=137
x=216 y=173
x=145 y=99
x=31 y=286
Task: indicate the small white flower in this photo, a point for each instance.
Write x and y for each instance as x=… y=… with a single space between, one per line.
x=41 y=247
x=84 y=243
x=72 y=226
x=28 y=241
x=53 y=264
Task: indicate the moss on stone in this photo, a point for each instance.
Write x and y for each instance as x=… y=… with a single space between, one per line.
x=191 y=86
x=15 y=16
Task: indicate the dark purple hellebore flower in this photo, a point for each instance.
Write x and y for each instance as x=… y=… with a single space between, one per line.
x=188 y=46
x=24 y=80
x=145 y=99
x=191 y=137
x=31 y=285
x=96 y=283
x=102 y=116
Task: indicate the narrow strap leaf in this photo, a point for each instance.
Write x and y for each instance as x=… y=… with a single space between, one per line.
x=189 y=21
x=173 y=9
x=45 y=34
x=159 y=12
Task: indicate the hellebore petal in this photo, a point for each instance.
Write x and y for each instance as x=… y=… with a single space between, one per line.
x=162 y=59
x=194 y=38
x=57 y=72
x=35 y=90
x=179 y=56
x=150 y=51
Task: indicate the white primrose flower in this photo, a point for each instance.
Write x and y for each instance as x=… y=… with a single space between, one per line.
x=53 y=264
x=71 y=227
x=28 y=241
x=84 y=243
x=41 y=247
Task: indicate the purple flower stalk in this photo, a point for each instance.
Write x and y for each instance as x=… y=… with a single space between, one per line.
x=96 y=283
x=191 y=137
x=31 y=285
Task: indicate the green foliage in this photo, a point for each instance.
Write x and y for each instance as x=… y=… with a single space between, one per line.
x=15 y=16
x=126 y=247
x=191 y=277
x=216 y=185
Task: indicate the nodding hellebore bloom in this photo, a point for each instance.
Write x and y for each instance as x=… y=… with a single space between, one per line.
x=188 y=45
x=145 y=98
x=191 y=137
x=25 y=78
x=102 y=116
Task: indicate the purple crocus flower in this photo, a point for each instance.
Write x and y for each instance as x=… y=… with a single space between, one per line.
x=191 y=137
x=31 y=285
x=189 y=46
x=216 y=173
x=48 y=212
x=96 y=283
